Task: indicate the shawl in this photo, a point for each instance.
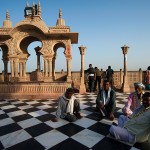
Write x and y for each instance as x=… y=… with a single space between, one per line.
x=70 y=106
x=104 y=98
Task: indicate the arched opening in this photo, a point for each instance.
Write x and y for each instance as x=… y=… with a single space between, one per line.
x=31 y=63
x=60 y=64
x=27 y=46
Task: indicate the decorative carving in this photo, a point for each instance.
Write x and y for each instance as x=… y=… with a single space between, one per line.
x=47 y=48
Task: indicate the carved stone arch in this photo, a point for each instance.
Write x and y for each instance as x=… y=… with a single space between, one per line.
x=27 y=25
x=66 y=44
x=22 y=32
x=62 y=43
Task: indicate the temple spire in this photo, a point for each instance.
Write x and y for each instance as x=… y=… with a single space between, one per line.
x=60 y=21
x=60 y=13
x=33 y=6
x=39 y=9
x=7 y=23
x=7 y=15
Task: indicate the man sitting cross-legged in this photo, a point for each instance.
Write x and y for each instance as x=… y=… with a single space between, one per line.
x=68 y=106
x=134 y=128
x=105 y=101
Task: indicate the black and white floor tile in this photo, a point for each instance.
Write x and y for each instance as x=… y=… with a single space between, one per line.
x=26 y=125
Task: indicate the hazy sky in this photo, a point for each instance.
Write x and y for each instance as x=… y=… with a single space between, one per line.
x=104 y=26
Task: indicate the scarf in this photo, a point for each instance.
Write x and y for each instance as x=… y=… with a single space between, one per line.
x=70 y=105
x=105 y=99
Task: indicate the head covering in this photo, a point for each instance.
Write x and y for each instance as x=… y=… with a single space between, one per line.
x=136 y=84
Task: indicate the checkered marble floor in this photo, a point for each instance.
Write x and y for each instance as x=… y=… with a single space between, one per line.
x=26 y=125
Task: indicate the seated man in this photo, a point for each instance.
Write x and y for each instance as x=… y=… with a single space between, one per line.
x=135 y=128
x=68 y=106
x=134 y=99
x=105 y=101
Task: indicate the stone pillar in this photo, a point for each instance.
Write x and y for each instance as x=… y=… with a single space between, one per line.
x=45 y=67
x=82 y=84
x=16 y=67
x=38 y=62
x=50 y=68
x=24 y=69
x=69 y=69
x=5 y=70
x=121 y=77
x=140 y=75
x=125 y=85
x=37 y=50
x=20 y=69
x=53 y=67
x=12 y=67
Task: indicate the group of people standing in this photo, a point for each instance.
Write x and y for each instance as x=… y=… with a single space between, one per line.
x=95 y=76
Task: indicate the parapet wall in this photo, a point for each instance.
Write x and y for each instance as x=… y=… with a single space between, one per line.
x=35 y=87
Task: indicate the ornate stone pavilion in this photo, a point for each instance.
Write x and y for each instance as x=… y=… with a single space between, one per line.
x=14 y=42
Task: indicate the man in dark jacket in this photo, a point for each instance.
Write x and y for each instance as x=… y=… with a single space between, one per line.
x=105 y=101
x=109 y=75
x=91 y=74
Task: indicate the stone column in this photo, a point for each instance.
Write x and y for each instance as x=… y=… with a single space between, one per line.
x=16 y=67
x=140 y=75
x=125 y=85
x=5 y=70
x=37 y=50
x=69 y=69
x=20 y=68
x=12 y=67
x=50 y=69
x=82 y=84
x=38 y=62
x=45 y=67
x=53 y=66
x=24 y=69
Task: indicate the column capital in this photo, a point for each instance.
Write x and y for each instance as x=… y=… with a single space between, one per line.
x=37 y=50
x=125 y=49
x=82 y=50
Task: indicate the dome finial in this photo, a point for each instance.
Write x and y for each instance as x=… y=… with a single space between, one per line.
x=60 y=20
x=7 y=23
x=60 y=13
x=7 y=15
x=39 y=9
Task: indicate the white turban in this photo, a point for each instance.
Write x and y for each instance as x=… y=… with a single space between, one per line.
x=139 y=84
